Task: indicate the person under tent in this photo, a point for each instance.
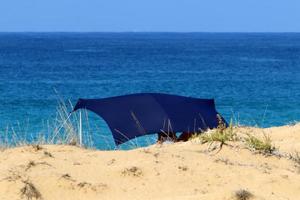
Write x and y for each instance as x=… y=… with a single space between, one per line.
x=171 y=136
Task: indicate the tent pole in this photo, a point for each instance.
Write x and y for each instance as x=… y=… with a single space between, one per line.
x=80 y=129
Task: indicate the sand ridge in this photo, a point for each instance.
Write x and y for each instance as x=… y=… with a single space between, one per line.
x=170 y=171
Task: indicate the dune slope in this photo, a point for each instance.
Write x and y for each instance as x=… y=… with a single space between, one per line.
x=174 y=171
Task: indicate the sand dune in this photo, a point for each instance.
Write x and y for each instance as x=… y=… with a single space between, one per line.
x=170 y=171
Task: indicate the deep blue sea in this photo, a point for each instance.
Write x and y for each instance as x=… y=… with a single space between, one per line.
x=254 y=77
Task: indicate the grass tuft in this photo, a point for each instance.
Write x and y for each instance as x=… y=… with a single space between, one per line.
x=263 y=146
x=29 y=191
x=62 y=130
x=243 y=194
x=222 y=134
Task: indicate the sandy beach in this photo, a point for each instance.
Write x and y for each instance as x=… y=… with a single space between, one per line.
x=170 y=171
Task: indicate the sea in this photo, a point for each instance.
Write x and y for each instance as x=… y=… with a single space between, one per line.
x=253 y=77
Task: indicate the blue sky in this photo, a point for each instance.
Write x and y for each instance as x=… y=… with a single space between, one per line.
x=151 y=15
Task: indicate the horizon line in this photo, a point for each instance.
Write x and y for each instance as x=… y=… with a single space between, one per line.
x=183 y=32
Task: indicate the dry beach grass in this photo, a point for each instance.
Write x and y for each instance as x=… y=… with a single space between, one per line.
x=190 y=170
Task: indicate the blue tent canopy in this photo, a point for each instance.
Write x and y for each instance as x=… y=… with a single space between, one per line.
x=136 y=115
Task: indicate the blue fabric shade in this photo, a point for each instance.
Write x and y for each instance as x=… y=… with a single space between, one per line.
x=136 y=115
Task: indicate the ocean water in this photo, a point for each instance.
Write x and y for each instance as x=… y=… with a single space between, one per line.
x=254 y=77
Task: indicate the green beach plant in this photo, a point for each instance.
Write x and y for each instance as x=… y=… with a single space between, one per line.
x=263 y=145
x=221 y=134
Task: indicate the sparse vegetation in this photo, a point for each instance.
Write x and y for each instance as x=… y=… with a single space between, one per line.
x=29 y=165
x=296 y=158
x=67 y=177
x=36 y=147
x=84 y=184
x=48 y=154
x=132 y=171
x=62 y=130
x=32 y=164
x=29 y=191
x=13 y=177
x=222 y=134
x=243 y=194
x=224 y=160
x=263 y=145
x=183 y=168
x=112 y=161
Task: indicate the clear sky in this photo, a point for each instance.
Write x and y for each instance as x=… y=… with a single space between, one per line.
x=151 y=15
